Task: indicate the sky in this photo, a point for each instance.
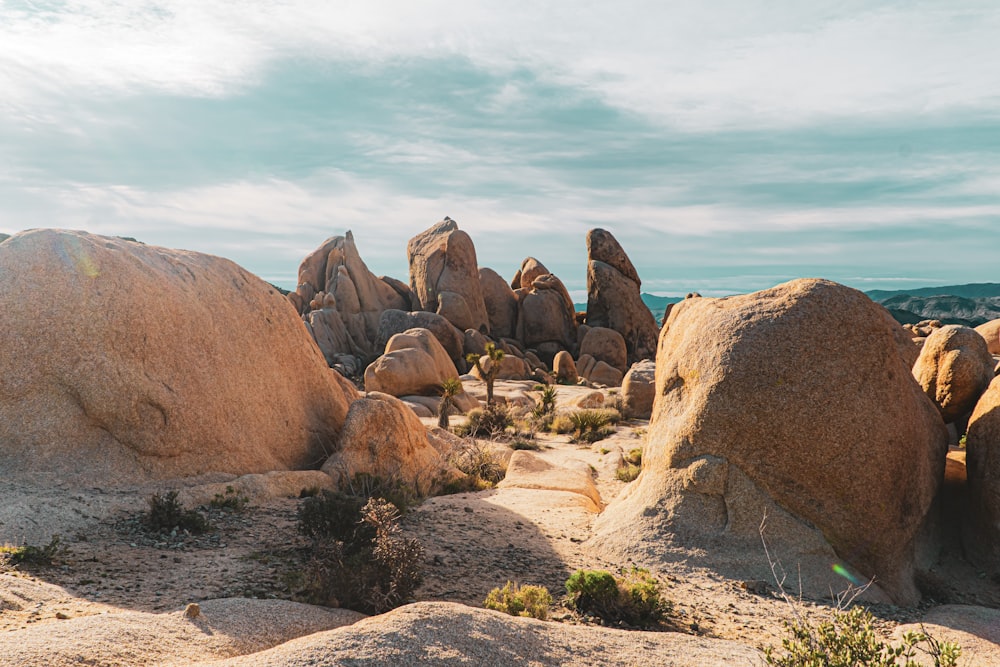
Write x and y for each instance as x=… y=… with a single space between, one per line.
x=729 y=145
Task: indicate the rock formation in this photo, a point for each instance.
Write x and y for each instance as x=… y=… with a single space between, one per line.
x=382 y=437
x=841 y=450
x=639 y=390
x=452 y=340
x=414 y=363
x=124 y=362
x=991 y=334
x=981 y=528
x=564 y=368
x=613 y=297
x=606 y=345
x=954 y=368
x=342 y=301
x=545 y=309
x=501 y=304
x=445 y=277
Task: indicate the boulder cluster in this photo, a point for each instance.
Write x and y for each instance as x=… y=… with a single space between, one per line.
x=365 y=324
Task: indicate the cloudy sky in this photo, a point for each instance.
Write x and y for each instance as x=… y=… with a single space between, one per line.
x=728 y=144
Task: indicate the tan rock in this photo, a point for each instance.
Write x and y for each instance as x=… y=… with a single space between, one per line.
x=606 y=345
x=587 y=401
x=954 y=368
x=639 y=390
x=452 y=340
x=500 y=302
x=382 y=437
x=750 y=420
x=511 y=368
x=991 y=334
x=414 y=363
x=585 y=364
x=445 y=277
x=981 y=526
x=545 y=313
x=975 y=629
x=613 y=297
x=564 y=368
x=142 y=355
x=529 y=471
x=605 y=374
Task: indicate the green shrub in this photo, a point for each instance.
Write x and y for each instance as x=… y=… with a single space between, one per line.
x=546 y=404
x=531 y=601
x=230 y=501
x=489 y=422
x=166 y=515
x=589 y=425
x=334 y=515
x=634 y=456
x=362 y=563
x=633 y=598
x=848 y=640
x=31 y=555
x=525 y=444
x=627 y=473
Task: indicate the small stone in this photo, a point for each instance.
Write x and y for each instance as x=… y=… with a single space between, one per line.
x=193 y=610
x=61 y=616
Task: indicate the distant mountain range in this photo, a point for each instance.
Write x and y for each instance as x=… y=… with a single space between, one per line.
x=970 y=305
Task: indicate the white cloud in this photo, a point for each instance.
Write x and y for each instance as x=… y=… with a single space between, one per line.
x=695 y=65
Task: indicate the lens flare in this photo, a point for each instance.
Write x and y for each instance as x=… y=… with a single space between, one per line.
x=842 y=571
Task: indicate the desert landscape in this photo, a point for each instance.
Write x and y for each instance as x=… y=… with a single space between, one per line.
x=199 y=468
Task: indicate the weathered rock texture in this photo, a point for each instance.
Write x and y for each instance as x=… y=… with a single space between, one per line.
x=981 y=528
x=122 y=362
x=639 y=390
x=613 y=297
x=342 y=301
x=606 y=345
x=991 y=334
x=840 y=448
x=384 y=438
x=452 y=340
x=414 y=363
x=445 y=277
x=954 y=368
x=545 y=309
x=501 y=304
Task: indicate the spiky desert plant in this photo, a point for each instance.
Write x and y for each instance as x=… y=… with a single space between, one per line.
x=494 y=356
x=450 y=388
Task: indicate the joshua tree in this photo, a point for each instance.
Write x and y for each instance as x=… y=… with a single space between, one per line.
x=450 y=388
x=489 y=374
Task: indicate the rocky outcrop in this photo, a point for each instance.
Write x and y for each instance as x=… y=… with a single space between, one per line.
x=452 y=340
x=445 y=277
x=991 y=334
x=124 y=362
x=981 y=527
x=954 y=368
x=750 y=421
x=606 y=345
x=382 y=437
x=613 y=297
x=414 y=363
x=639 y=390
x=342 y=301
x=545 y=309
x=501 y=304
x=564 y=368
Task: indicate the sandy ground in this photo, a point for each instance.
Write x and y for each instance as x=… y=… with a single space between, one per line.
x=473 y=542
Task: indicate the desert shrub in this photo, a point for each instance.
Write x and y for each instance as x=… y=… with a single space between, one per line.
x=336 y=515
x=532 y=601
x=230 y=501
x=489 y=422
x=634 y=456
x=480 y=462
x=450 y=388
x=363 y=563
x=848 y=639
x=593 y=425
x=396 y=491
x=632 y=467
x=166 y=515
x=31 y=555
x=525 y=444
x=633 y=598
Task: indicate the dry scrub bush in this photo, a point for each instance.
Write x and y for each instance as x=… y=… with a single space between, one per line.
x=587 y=425
x=633 y=598
x=31 y=555
x=489 y=422
x=632 y=467
x=359 y=560
x=483 y=465
x=531 y=601
x=166 y=515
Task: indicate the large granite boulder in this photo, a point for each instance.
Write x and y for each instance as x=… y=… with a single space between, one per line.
x=545 y=309
x=501 y=304
x=613 y=297
x=981 y=527
x=342 y=302
x=606 y=345
x=445 y=277
x=841 y=451
x=639 y=390
x=954 y=368
x=414 y=363
x=382 y=437
x=123 y=362
x=990 y=331
x=452 y=340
